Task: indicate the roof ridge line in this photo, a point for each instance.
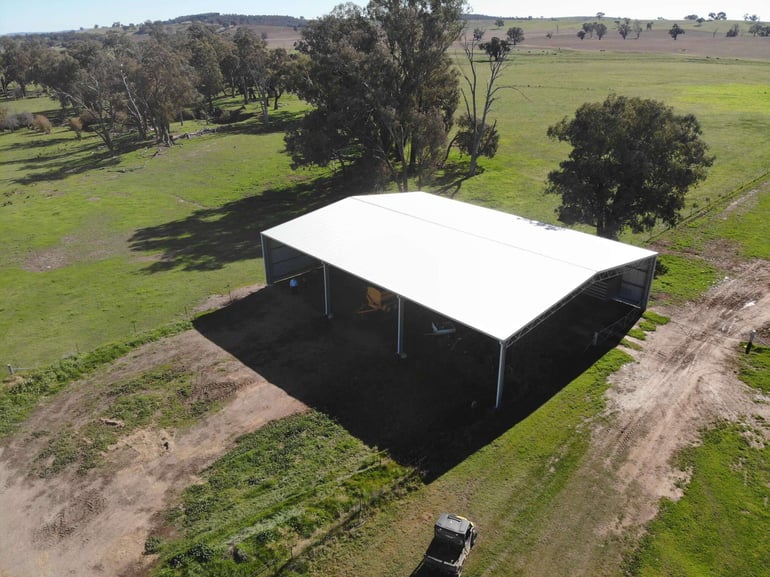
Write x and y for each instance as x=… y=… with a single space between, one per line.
x=361 y=198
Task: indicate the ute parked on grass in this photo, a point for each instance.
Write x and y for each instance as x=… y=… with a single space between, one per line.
x=453 y=538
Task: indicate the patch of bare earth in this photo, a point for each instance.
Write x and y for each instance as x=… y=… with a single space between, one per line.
x=693 y=43
x=97 y=524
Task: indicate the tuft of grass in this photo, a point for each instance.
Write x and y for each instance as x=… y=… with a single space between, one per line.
x=638 y=333
x=631 y=345
x=655 y=318
x=754 y=367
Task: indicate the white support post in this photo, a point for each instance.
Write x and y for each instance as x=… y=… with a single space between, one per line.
x=647 y=289
x=400 y=343
x=327 y=292
x=501 y=374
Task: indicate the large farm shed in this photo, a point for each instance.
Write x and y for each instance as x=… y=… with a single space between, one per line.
x=460 y=261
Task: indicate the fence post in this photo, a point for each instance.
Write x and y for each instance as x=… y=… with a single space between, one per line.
x=748 y=345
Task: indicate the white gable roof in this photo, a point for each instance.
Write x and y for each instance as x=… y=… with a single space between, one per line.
x=492 y=271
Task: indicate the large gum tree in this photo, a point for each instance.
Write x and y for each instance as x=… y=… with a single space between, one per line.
x=383 y=88
x=631 y=165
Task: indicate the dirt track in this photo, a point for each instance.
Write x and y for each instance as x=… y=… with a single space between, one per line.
x=97 y=524
x=683 y=379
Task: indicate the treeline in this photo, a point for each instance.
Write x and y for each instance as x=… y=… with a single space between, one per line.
x=383 y=90
x=240 y=20
x=120 y=88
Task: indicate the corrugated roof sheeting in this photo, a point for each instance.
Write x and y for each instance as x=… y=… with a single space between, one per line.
x=492 y=271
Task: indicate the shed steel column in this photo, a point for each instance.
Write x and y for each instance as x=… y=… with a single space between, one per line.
x=327 y=292
x=400 y=343
x=501 y=374
x=650 y=276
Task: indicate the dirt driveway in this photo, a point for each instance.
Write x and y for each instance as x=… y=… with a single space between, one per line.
x=96 y=525
x=683 y=379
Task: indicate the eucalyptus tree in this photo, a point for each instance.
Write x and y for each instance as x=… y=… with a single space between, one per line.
x=58 y=73
x=675 y=31
x=19 y=59
x=515 y=35
x=202 y=44
x=383 y=87
x=88 y=77
x=164 y=85
x=252 y=54
x=600 y=29
x=624 y=27
x=496 y=49
x=631 y=165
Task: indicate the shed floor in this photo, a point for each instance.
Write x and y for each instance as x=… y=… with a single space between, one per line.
x=432 y=408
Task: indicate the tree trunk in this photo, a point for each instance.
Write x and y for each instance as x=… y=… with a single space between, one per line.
x=104 y=134
x=607 y=229
x=474 y=164
x=265 y=102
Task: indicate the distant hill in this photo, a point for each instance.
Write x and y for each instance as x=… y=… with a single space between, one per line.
x=240 y=20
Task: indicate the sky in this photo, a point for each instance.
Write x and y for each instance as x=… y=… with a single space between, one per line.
x=57 y=15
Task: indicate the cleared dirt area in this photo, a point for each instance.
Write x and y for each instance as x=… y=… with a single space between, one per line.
x=96 y=524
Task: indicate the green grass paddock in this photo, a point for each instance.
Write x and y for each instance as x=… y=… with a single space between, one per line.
x=96 y=247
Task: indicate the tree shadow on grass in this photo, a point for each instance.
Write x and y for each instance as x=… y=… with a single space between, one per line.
x=91 y=156
x=64 y=165
x=450 y=180
x=252 y=123
x=36 y=140
x=210 y=238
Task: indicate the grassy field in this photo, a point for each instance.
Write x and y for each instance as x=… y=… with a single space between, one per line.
x=97 y=249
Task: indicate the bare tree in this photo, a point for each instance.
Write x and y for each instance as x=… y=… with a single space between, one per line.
x=95 y=92
x=476 y=137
